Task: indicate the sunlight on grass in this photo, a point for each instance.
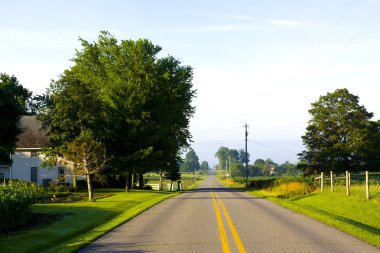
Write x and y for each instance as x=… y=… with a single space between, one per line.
x=353 y=214
x=81 y=222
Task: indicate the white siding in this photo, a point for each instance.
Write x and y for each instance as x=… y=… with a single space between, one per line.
x=5 y=171
x=22 y=163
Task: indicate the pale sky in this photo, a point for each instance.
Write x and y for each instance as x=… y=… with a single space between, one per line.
x=260 y=62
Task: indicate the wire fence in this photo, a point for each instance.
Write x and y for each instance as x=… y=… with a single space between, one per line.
x=362 y=184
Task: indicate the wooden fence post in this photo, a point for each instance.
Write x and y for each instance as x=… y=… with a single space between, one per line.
x=349 y=178
x=347 y=183
x=367 y=185
x=321 y=181
x=331 y=181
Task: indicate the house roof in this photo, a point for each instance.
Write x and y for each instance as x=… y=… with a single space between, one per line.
x=32 y=136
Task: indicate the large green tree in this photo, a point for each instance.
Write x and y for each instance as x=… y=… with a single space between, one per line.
x=13 y=97
x=75 y=119
x=205 y=166
x=191 y=162
x=137 y=105
x=336 y=137
x=222 y=155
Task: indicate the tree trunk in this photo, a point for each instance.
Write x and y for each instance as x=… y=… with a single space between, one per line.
x=75 y=182
x=171 y=185
x=132 y=180
x=89 y=188
x=128 y=183
x=160 y=188
x=141 y=181
x=75 y=177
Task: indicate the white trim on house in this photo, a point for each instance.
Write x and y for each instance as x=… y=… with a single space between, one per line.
x=31 y=139
x=23 y=163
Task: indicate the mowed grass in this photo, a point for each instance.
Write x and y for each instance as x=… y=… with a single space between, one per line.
x=81 y=222
x=354 y=214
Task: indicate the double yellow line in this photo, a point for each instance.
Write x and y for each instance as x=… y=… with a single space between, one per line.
x=222 y=230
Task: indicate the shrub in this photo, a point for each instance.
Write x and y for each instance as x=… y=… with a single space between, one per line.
x=147 y=187
x=55 y=188
x=261 y=183
x=16 y=198
x=267 y=183
x=292 y=190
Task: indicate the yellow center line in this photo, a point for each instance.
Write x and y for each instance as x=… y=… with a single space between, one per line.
x=222 y=231
x=235 y=234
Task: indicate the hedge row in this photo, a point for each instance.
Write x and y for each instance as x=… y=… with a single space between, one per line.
x=16 y=198
x=266 y=183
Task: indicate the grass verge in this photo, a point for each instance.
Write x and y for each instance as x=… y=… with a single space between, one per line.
x=80 y=223
x=352 y=215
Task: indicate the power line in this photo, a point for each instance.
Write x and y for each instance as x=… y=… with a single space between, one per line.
x=272 y=147
x=324 y=39
x=347 y=44
x=218 y=131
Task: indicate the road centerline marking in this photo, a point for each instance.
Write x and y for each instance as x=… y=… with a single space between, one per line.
x=235 y=234
x=222 y=230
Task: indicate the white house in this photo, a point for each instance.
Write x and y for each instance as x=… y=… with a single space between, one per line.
x=27 y=158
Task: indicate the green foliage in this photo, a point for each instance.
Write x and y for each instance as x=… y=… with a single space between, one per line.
x=82 y=222
x=16 y=198
x=172 y=175
x=338 y=135
x=271 y=182
x=233 y=159
x=205 y=166
x=13 y=97
x=56 y=188
x=234 y=155
x=292 y=190
x=243 y=156
x=127 y=100
x=354 y=215
x=191 y=162
x=222 y=155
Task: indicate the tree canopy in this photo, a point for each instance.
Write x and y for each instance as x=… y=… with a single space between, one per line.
x=191 y=162
x=205 y=165
x=13 y=98
x=125 y=98
x=337 y=136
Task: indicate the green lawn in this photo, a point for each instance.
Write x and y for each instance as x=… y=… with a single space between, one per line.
x=354 y=214
x=81 y=222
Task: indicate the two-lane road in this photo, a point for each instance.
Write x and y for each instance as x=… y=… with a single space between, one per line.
x=213 y=218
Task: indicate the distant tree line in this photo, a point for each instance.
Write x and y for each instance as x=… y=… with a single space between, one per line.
x=191 y=163
x=340 y=136
x=231 y=161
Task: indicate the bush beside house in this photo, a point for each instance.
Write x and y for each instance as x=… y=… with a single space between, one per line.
x=16 y=198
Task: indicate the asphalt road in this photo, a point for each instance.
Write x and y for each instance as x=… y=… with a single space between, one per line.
x=213 y=218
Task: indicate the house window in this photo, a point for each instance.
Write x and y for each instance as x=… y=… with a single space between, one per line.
x=33 y=153
x=33 y=174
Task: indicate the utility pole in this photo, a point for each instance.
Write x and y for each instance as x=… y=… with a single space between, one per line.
x=229 y=166
x=225 y=174
x=246 y=156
